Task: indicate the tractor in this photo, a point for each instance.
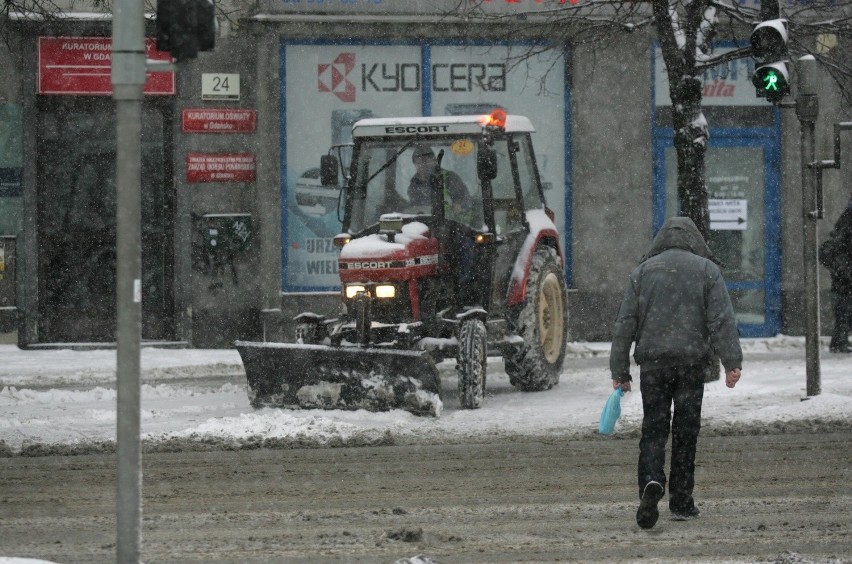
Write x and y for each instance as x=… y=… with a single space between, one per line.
x=448 y=251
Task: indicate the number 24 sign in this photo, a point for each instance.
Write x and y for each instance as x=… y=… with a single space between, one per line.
x=218 y=86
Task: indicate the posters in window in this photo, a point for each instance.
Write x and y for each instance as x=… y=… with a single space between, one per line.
x=327 y=87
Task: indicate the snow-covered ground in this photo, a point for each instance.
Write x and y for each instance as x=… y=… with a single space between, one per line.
x=64 y=399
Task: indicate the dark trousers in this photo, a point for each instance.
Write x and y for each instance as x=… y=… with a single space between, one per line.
x=682 y=386
x=842 y=304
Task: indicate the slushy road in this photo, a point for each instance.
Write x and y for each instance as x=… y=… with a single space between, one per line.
x=762 y=497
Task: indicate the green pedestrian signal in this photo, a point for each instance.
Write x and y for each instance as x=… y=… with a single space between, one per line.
x=771 y=78
x=772 y=81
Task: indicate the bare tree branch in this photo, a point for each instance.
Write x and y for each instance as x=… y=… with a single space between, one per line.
x=685 y=30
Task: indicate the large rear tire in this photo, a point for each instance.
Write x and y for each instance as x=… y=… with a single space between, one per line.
x=471 y=363
x=542 y=322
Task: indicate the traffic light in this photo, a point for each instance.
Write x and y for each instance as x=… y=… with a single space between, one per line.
x=185 y=27
x=769 y=49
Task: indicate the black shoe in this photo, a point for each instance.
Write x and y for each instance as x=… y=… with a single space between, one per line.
x=647 y=515
x=686 y=515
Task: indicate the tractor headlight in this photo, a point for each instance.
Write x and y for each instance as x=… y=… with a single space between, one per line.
x=341 y=240
x=386 y=291
x=353 y=290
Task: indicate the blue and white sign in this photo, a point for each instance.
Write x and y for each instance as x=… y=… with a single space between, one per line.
x=726 y=84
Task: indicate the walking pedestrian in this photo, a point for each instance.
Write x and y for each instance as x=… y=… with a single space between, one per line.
x=836 y=255
x=677 y=310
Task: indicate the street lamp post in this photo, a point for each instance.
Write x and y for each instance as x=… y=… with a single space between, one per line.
x=807 y=110
x=128 y=81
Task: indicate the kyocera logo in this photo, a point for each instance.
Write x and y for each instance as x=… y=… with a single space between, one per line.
x=333 y=77
x=393 y=76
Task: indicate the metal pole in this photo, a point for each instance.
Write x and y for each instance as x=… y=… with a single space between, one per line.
x=807 y=110
x=128 y=80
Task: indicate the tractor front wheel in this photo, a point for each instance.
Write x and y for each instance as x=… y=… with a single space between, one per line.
x=471 y=363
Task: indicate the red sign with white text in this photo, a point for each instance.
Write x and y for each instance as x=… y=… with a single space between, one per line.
x=209 y=120
x=82 y=65
x=220 y=167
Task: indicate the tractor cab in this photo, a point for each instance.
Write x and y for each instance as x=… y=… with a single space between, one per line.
x=468 y=179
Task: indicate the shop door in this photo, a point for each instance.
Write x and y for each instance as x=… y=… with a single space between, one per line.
x=76 y=222
x=742 y=175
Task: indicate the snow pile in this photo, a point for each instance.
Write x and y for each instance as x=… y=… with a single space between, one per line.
x=64 y=401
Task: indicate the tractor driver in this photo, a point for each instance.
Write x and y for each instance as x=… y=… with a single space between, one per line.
x=457 y=206
x=419 y=189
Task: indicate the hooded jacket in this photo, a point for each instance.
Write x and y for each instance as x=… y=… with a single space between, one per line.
x=841 y=271
x=676 y=307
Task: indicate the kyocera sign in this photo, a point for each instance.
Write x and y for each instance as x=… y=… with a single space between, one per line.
x=344 y=77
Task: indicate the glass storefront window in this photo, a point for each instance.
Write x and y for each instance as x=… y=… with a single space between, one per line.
x=749 y=305
x=326 y=87
x=742 y=175
x=744 y=206
x=735 y=187
x=11 y=170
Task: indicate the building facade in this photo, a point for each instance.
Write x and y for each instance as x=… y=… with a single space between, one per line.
x=237 y=229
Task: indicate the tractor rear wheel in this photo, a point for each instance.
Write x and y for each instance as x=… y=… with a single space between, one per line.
x=471 y=363
x=542 y=322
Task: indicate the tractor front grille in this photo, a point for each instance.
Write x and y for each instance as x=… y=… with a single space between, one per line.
x=389 y=310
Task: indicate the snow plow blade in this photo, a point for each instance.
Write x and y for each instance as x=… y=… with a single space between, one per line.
x=326 y=377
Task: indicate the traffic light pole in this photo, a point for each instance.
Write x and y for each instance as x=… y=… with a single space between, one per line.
x=128 y=81
x=129 y=66
x=807 y=110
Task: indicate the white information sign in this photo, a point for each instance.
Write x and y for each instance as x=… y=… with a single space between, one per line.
x=218 y=86
x=728 y=215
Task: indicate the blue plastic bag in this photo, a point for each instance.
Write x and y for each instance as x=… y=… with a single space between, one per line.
x=611 y=412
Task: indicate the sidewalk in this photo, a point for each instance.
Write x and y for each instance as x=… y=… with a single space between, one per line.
x=68 y=397
x=40 y=366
